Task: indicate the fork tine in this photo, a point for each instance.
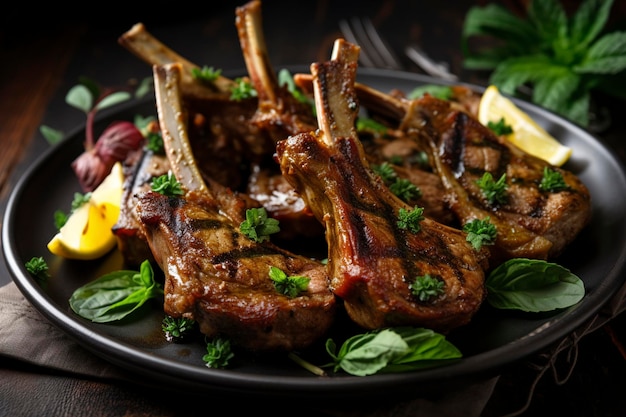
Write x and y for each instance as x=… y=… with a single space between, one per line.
x=374 y=51
x=390 y=59
x=351 y=37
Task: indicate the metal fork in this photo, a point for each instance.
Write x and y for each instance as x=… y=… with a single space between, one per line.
x=375 y=51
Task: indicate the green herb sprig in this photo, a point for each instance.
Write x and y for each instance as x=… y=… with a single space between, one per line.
x=480 y=232
x=426 y=287
x=410 y=219
x=242 y=90
x=38 y=268
x=258 y=226
x=388 y=350
x=219 y=353
x=533 y=285
x=177 y=328
x=115 y=295
x=552 y=181
x=494 y=191
x=291 y=286
x=167 y=185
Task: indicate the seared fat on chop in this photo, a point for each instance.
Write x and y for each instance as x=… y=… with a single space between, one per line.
x=213 y=273
x=372 y=260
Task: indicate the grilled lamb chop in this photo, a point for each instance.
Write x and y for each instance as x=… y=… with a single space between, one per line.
x=532 y=223
x=222 y=137
x=373 y=260
x=213 y=273
x=279 y=114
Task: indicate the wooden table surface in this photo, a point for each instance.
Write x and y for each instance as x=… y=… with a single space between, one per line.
x=44 y=57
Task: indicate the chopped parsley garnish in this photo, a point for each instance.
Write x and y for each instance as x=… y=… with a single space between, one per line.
x=401 y=187
x=442 y=92
x=426 y=287
x=258 y=226
x=290 y=286
x=60 y=217
x=206 y=74
x=38 y=268
x=410 y=219
x=494 y=191
x=366 y=124
x=500 y=127
x=154 y=143
x=386 y=172
x=405 y=189
x=242 y=89
x=552 y=181
x=480 y=232
x=218 y=354
x=176 y=328
x=286 y=79
x=167 y=185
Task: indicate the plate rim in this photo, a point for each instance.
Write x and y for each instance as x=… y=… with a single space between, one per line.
x=229 y=380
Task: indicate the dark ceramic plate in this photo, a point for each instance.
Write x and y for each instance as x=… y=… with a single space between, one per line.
x=493 y=340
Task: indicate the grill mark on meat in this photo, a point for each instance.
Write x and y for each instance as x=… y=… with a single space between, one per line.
x=213 y=272
x=372 y=260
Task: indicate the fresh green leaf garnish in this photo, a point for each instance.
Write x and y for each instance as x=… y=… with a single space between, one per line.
x=552 y=181
x=176 y=328
x=400 y=187
x=442 y=92
x=480 y=232
x=258 y=226
x=60 y=218
x=219 y=353
x=386 y=172
x=145 y=86
x=79 y=200
x=398 y=349
x=562 y=58
x=206 y=74
x=500 y=127
x=366 y=124
x=38 y=268
x=533 y=285
x=52 y=136
x=115 y=295
x=286 y=79
x=167 y=185
x=112 y=99
x=405 y=189
x=142 y=123
x=291 y=286
x=154 y=143
x=410 y=219
x=242 y=89
x=426 y=287
x=80 y=98
x=494 y=191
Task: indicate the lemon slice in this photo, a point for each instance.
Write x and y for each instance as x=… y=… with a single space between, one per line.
x=527 y=134
x=87 y=233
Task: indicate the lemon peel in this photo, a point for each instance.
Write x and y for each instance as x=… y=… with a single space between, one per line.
x=88 y=234
x=527 y=134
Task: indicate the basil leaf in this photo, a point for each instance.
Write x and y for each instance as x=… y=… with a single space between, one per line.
x=533 y=285
x=398 y=349
x=115 y=295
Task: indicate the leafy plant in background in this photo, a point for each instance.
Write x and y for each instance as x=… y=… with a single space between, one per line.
x=562 y=58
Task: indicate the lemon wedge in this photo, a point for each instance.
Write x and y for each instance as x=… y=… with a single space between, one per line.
x=87 y=233
x=527 y=134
